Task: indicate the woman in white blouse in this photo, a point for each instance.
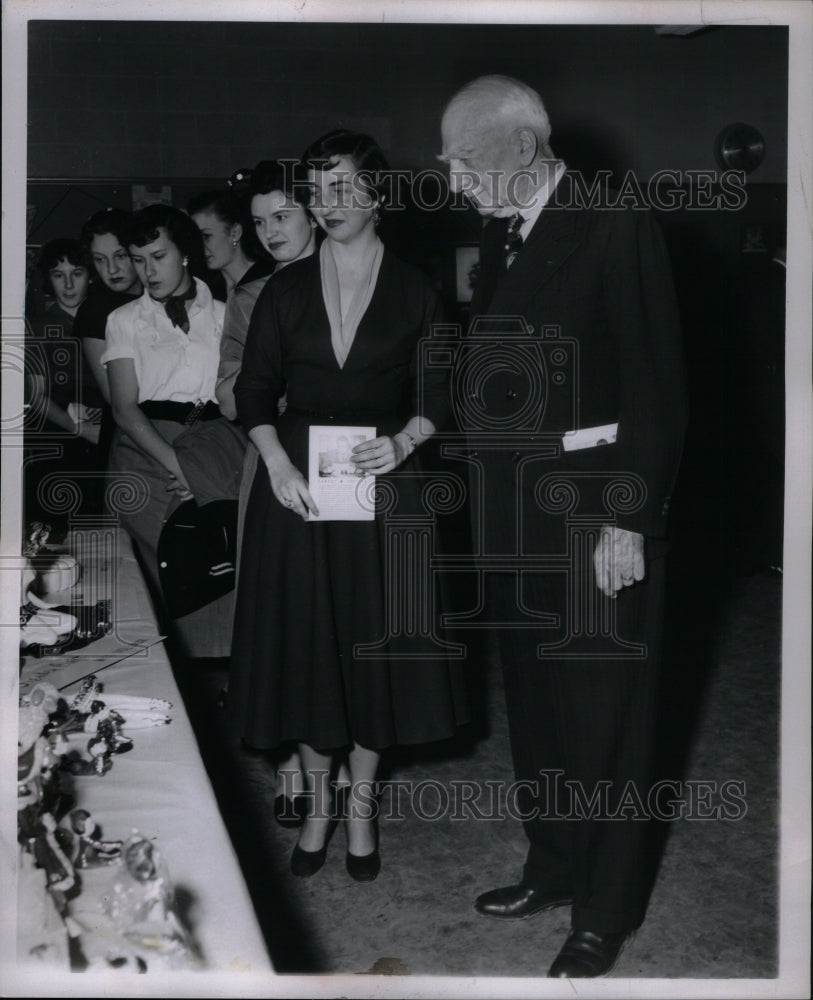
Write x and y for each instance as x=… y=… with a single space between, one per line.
x=161 y=354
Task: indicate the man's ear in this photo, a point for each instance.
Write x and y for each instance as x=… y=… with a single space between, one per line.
x=526 y=145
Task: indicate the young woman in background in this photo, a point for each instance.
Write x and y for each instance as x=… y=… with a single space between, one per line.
x=162 y=352
x=285 y=231
x=103 y=238
x=64 y=403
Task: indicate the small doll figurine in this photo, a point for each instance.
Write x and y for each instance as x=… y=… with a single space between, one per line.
x=92 y=852
x=142 y=905
x=142 y=858
x=106 y=722
x=38 y=798
x=36 y=536
x=44 y=696
x=41 y=624
x=37 y=786
x=107 y=741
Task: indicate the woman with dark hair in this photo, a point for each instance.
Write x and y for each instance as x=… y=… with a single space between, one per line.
x=277 y=197
x=314 y=657
x=103 y=237
x=228 y=247
x=222 y=218
x=63 y=401
x=64 y=268
x=161 y=356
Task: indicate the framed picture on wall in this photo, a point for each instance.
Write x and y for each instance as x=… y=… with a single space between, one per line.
x=144 y=194
x=467 y=263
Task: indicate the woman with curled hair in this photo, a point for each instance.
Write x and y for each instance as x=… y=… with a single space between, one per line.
x=63 y=400
x=103 y=236
x=246 y=242
x=161 y=356
x=230 y=249
x=65 y=271
x=314 y=660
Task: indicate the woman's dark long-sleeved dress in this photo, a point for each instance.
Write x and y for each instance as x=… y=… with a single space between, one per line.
x=309 y=592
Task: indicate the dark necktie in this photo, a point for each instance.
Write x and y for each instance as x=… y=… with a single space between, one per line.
x=175 y=306
x=513 y=241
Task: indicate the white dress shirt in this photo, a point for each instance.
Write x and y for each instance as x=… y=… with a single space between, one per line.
x=539 y=199
x=170 y=364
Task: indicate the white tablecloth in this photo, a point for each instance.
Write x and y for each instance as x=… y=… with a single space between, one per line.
x=160 y=787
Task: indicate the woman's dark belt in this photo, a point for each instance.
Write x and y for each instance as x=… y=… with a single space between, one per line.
x=343 y=416
x=180 y=413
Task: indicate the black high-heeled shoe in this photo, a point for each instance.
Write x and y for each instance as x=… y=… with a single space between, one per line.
x=307 y=863
x=364 y=867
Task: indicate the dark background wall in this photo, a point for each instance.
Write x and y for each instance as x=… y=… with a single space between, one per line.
x=199 y=99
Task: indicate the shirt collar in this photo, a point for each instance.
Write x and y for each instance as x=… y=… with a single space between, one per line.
x=202 y=297
x=541 y=197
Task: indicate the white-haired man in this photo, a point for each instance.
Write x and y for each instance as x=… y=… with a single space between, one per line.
x=580 y=432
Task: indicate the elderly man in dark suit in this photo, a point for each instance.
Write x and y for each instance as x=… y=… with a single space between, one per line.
x=570 y=388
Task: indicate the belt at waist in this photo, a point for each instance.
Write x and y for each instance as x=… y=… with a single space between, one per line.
x=333 y=416
x=180 y=413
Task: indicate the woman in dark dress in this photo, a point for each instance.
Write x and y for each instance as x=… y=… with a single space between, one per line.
x=63 y=402
x=314 y=657
x=103 y=237
x=281 y=231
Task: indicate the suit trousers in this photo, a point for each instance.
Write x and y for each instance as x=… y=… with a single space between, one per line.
x=581 y=722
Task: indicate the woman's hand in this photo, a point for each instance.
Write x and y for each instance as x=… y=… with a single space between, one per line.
x=89 y=431
x=382 y=454
x=290 y=488
x=180 y=487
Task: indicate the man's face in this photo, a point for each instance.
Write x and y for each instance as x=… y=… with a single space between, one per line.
x=482 y=161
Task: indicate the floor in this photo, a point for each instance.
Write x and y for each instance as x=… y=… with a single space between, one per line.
x=713 y=909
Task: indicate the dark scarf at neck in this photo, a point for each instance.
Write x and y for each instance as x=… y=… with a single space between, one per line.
x=175 y=306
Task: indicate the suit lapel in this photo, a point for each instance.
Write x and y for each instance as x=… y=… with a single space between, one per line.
x=492 y=240
x=554 y=237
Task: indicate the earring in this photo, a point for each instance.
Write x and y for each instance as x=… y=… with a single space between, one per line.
x=185 y=261
x=376 y=215
x=234 y=243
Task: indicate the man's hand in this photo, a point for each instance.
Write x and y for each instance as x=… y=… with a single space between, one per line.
x=618 y=559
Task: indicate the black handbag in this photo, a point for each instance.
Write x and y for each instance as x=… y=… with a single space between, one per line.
x=197 y=552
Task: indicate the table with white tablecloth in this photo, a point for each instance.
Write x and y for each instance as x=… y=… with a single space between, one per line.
x=159 y=787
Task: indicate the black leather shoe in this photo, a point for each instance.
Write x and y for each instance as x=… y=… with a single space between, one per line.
x=586 y=954
x=365 y=867
x=307 y=863
x=518 y=901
